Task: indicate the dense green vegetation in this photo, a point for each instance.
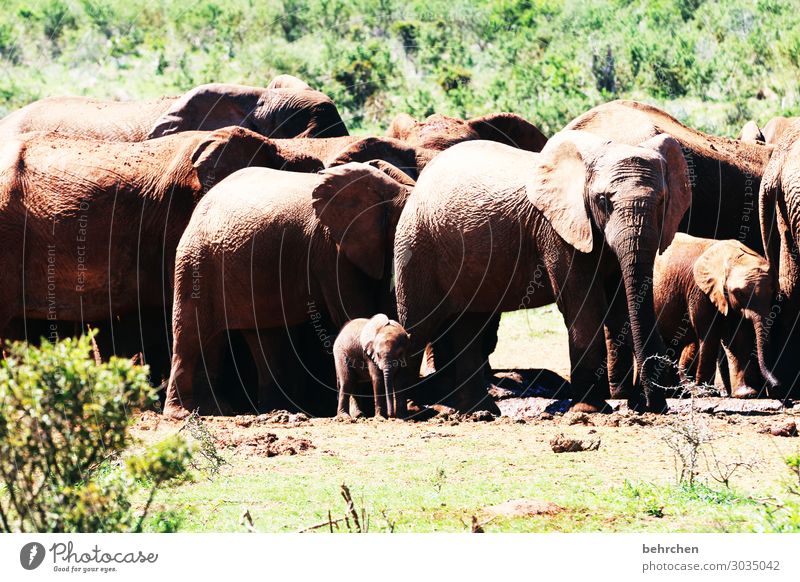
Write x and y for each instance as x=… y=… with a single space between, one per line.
x=712 y=63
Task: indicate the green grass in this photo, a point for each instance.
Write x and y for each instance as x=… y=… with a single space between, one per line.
x=427 y=478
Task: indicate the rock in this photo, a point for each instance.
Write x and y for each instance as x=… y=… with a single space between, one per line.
x=522 y=508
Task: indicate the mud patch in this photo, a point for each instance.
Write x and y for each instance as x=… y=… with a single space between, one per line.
x=264 y=444
x=563 y=444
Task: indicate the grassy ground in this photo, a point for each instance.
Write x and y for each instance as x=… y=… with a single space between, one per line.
x=436 y=475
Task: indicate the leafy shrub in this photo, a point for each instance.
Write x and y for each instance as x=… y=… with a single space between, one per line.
x=63 y=424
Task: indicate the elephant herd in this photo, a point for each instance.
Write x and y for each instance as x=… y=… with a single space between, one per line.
x=239 y=236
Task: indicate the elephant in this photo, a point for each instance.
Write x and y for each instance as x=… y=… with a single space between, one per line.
x=776 y=127
x=277 y=113
x=89 y=228
x=725 y=174
x=267 y=250
x=491 y=228
x=779 y=209
x=751 y=133
x=709 y=292
x=369 y=350
x=439 y=132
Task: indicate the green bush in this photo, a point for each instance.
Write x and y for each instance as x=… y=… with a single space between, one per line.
x=63 y=425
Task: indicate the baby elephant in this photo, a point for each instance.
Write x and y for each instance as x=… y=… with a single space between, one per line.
x=709 y=291
x=369 y=350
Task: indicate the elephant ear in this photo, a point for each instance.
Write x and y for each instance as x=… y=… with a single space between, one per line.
x=401 y=126
x=558 y=190
x=370 y=330
x=353 y=201
x=227 y=150
x=206 y=108
x=510 y=129
x=711 y=273
x=676 y=176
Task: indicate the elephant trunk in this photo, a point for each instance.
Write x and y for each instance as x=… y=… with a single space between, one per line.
x=636 y=255
x=388 y=384
x=761 y=348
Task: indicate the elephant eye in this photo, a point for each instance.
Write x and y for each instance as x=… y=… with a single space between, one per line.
x=604 y=203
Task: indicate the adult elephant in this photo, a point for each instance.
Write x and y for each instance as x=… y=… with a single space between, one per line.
x=266 y=250
x=724 y=174
x=439 y=132
x=489 y=228
x=89 y=228
x=277 y=113
x=779 y=202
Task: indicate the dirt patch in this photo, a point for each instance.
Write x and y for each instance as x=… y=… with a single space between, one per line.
x=149 y=420
x=522 y=508
x=562 y=444
x=572 y=418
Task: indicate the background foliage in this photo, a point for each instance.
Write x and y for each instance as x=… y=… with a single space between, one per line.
x=712 y=63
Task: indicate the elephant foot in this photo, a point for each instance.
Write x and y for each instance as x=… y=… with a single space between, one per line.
x=217 y=407
x=174 y=411
x=590 y=407
x=485 y=402
x=744 y=392
x=655 y=402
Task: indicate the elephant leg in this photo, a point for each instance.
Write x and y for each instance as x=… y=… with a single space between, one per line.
x=408 y=382
x=489 y=342
x=469 y=389
x=688 y=360
x=707 y=359
x=187 y=354
x=587 y=347
x=428 y=362
x=724 y=369
x=738 y=342
x=347 y=404
x=379 y=395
